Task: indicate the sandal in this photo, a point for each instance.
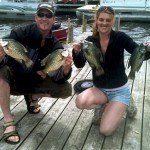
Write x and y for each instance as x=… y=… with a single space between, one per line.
x=6 y=136
x=32 y=105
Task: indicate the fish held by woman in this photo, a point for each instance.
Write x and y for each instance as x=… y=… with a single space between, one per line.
x=93 y=57
x=136 y=60
x=16 y=50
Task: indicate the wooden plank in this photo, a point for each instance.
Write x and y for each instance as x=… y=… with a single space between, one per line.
x=59 y=133
x=132 y=135
x=80 y=131
x=29 y=122
x=63 y=127
x=94 y=140
x=78 y=135
x=146 y=113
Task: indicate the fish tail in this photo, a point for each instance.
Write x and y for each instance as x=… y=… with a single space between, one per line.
x=29 y=63
x=52 y=73
x=131 y=76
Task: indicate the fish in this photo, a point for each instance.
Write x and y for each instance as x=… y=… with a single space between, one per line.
x=93 y=57
x=53 y=61
x=16 y=50
x=136 y=60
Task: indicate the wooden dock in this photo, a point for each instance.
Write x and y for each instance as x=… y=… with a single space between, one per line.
x=61 y=126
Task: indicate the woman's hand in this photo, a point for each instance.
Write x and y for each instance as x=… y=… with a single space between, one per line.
x=76 y=48
x=67 y=64
x=2 y=53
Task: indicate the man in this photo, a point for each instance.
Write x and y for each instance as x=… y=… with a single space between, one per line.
x=16 y=78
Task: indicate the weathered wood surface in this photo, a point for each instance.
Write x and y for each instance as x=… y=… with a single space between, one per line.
x=61 y=126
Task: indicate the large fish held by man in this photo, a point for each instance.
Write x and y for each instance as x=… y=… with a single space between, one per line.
x=16 y=50
x=53 y=62
x=136 y=60
x=93 y=57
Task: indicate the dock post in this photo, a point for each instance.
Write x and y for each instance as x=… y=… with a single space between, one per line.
x=86 y=2
x=84 y=22
x=70 y=32
x=117 y=23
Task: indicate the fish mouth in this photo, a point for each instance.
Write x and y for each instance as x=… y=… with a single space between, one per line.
x=3 y=43
x=65 y=53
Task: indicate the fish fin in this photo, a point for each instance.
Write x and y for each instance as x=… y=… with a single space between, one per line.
x=29 y=63
x=131 y=75
x=25 y=49
x=43 y=61
x=19 y=60
x=52 y=73
x=139 y=67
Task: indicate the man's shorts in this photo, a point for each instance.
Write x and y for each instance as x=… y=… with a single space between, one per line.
x=34 y=84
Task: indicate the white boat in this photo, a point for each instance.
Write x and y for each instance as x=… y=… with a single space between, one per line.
x=25 y=9
x=125 y=10
x=18 y=9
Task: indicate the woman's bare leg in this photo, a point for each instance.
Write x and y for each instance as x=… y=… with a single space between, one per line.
x=112 y=117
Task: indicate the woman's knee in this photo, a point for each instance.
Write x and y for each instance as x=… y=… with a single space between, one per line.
x=106 y=130
x=80 y=102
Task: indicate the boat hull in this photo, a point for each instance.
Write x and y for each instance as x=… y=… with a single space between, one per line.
x=61 y=34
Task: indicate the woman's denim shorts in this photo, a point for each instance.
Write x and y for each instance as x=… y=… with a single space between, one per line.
x=121 y=94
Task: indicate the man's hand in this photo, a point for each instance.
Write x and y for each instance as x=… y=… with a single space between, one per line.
x=42 y=74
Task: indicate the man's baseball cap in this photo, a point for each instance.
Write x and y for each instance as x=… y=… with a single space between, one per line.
x=46 y=6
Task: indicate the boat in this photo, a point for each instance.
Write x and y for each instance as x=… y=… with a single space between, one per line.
x=60 y=32
x=25 y=9
x=70 y=6
x=19 y=9
x=16 y=13
x=125 y=10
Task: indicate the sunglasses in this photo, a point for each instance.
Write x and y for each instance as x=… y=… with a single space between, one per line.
x=107 y=9
x=47 y=15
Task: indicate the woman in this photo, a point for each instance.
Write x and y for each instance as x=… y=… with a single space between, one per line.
x=110 y=89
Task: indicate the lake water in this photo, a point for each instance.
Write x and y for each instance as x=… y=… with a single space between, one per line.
x=140 y=32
